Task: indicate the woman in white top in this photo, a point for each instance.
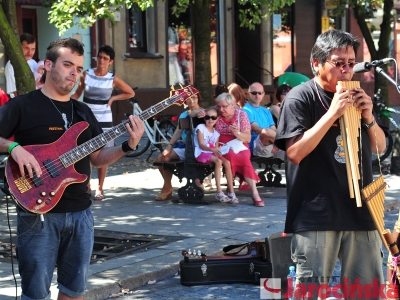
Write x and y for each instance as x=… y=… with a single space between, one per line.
x=207 y=150
x=97 y=85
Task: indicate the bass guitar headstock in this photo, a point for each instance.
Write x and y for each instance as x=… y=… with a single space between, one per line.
x=187 y=255
x=183 y=94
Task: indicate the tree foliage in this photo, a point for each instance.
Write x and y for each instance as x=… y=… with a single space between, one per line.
x=63 y=12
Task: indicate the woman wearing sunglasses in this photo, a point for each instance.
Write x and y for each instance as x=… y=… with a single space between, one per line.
x=234 y=123
x=207 y=150
x=280 y=94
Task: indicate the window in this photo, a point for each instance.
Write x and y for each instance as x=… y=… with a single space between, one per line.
x=180 y=47
x=282 y=42
x=136 y=19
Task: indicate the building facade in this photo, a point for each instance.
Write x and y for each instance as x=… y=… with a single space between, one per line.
x=155 y=49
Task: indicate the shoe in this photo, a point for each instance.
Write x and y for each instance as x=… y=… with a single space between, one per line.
x=222 y=197
x=244 y=186
x=233 y=198
x=207 y=184
x=98 y=197
x=258 y=202
x=164 y=196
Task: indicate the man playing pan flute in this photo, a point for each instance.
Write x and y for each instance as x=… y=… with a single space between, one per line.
x=326 y=223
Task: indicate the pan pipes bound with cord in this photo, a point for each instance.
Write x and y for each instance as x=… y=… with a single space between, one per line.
x=374 y=193
x=350 y=124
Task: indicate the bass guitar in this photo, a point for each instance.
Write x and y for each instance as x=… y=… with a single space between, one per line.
x=40 y=194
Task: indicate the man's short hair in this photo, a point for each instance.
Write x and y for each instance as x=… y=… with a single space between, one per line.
x=28 y=38
x=331 y=40
x=107 y=50
x=53 y=49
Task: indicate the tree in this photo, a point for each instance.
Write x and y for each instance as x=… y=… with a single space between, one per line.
x=63 y=14
x=10 y=38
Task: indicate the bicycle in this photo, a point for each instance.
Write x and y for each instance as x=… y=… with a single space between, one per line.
x=384 y=111
x=158 y=131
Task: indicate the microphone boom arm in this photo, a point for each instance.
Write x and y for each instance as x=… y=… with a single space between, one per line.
x=390 y=79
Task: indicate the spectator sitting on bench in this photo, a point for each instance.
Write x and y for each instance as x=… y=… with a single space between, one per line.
x=263 y=129
x=177 y=153
x=275 y=104
x=207 y=150
x=233 y=123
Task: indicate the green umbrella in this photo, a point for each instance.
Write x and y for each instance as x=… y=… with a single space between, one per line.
x=292 y=79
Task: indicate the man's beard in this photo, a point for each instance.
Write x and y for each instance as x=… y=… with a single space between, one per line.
x=60 y=82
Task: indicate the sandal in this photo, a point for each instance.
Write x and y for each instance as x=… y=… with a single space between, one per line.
x=233 y=199
x=222 y=197
x=244 y=186
x=207 y=184
x=164 y=196
x=258 y=202
x=98 y=197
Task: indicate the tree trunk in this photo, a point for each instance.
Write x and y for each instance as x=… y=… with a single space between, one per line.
x=380 y=81
x=25 y=81
x=201 y=40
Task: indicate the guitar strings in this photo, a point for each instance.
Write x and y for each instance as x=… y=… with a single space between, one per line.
x=58 y=165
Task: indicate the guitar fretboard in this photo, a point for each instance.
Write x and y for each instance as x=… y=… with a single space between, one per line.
x=99 y=141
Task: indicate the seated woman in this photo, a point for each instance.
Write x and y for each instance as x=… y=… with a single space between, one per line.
x=234 y=123
x=276 y=103
x=238 y=93
x=170 y=153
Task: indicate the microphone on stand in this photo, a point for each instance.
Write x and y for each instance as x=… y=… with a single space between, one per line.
x=363 y=67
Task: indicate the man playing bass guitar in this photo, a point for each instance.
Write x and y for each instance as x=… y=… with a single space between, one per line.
x=64 y=236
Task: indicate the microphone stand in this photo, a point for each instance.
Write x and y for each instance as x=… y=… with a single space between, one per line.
x=380 y=71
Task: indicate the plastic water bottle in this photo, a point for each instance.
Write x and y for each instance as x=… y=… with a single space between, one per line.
x=291 y=282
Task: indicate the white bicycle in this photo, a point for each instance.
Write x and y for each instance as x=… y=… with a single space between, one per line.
x=158 y=131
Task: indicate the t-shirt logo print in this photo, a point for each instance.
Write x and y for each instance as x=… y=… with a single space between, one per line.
x=340 y=156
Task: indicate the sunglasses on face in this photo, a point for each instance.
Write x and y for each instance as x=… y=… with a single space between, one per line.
x=255 y=93
x=207 y=117
x=284 y=92
x=341 y=64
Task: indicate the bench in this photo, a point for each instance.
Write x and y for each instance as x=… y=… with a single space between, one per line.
x=189 y=168
x=269 y=177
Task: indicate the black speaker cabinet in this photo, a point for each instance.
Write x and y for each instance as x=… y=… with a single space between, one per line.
x=278 y=245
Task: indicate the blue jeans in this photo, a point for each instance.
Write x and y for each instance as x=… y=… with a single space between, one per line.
x=64 y=240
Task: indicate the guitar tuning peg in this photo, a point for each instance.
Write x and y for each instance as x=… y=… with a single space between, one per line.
x=194 y=252
x=198 y=253
x=172 y=88
x=190 y=252
x=181 y=86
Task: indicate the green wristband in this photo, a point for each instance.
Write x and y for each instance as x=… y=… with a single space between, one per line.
x=12 y=146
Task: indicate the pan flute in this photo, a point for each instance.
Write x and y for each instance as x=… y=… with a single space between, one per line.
x=374 y=193
x=350 y=125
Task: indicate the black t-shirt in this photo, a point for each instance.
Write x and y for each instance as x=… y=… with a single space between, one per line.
x=33 y=120
x=317 y=189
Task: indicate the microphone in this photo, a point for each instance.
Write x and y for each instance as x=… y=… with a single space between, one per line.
x=367 y=66
x=380 y=62
x=362 y=67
